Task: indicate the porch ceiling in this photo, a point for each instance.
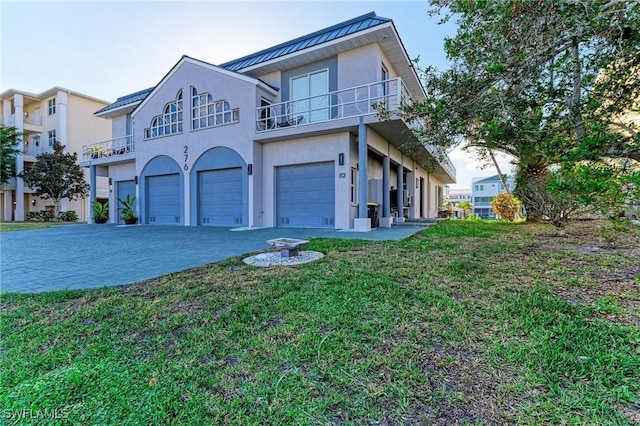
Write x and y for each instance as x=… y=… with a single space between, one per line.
x=400 y=135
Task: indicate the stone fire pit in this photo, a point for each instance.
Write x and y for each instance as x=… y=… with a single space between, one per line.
x=288 y=246
x=289 y=255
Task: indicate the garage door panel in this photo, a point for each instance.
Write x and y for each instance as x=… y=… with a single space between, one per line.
x=220 y=197
x=305 y=195
x=164 y=199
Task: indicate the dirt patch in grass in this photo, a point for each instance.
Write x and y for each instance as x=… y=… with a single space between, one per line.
x=612 y=286
x=462 y=389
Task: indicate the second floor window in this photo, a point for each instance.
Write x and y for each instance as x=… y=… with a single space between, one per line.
x=52 y=137
x=51 y=106
x=309 y=97
x=169 y=123
x=205 y=112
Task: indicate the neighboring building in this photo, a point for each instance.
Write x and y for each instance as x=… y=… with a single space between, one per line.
x=288 y=136
x=484 y=190
x=457 y=196
x=59 y=115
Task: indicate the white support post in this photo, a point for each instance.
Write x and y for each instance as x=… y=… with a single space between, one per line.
x=18 y=107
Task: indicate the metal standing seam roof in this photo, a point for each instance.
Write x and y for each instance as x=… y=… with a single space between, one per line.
x=334 y=32
x=126 y=100
x=310 y=40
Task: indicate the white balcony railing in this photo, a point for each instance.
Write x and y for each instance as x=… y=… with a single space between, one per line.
x=381 y=97
x=33 y=148
x=112 y=148
x=387 y=95
x=441 y=155
x=31 y=119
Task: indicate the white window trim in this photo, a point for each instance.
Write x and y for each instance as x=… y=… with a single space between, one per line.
x=51 y=135
x=164 y=124
x=51 y=106
x=218 y=116
x=307 y=75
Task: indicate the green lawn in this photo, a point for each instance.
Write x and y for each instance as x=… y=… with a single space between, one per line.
x=474 y=323
x=23 y=226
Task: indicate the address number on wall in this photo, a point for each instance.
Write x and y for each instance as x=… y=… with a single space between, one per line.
x=186 y=157
x=342 y=175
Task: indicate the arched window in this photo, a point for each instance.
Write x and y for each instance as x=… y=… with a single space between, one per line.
x=207 y=113
x=169 y=123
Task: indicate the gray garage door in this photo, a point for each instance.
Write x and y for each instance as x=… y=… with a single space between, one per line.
x=125 y=187
x=220 y=197
x=163 y=193
x=305 y=195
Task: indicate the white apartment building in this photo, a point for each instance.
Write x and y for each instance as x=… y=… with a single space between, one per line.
x=57 y=114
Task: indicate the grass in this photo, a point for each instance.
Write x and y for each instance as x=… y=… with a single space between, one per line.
x=23 y=226
x=468 y=323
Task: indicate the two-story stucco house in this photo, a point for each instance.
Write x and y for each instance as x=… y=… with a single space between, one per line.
x=289 y=137
x=57 y=114
x=484 y=190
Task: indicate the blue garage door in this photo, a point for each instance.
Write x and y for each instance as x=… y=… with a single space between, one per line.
x=220 y=197
x=305 y=195
x=125 y=187
x=163 y=193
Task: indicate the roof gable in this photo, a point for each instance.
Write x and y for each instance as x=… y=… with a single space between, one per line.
x=325 y=35
x=206 y=65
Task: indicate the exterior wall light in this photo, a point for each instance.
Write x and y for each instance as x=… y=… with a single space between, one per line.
x=341 y=159
x=250 y=169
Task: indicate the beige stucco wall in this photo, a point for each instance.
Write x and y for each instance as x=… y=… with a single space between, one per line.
x=84 y=127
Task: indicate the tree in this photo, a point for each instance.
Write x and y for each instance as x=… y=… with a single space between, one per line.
x=548 y=82
x=9 y=140
x=56 y=175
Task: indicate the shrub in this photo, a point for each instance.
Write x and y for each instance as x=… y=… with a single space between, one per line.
x=35 y=216
x=68 y=216
x=474 y=218
x=506 y=206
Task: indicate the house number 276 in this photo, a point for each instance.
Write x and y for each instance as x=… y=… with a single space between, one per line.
x=186 y=157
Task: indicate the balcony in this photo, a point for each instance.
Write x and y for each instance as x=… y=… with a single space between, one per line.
x=32 y=120
x=111 y=149
x=383 y=98
x=33 y=149
x=28 y=119
x=387 y=95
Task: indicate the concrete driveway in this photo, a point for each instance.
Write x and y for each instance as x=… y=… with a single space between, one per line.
x=89 y=256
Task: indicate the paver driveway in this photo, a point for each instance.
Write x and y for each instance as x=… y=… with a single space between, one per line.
x=88 y=256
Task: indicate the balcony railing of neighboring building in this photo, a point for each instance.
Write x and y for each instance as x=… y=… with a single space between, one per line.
x=31 y=119
x=108 y=149
x=357 y=101
x=33 y=148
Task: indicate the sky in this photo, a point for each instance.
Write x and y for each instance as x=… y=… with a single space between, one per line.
x=108 y=49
